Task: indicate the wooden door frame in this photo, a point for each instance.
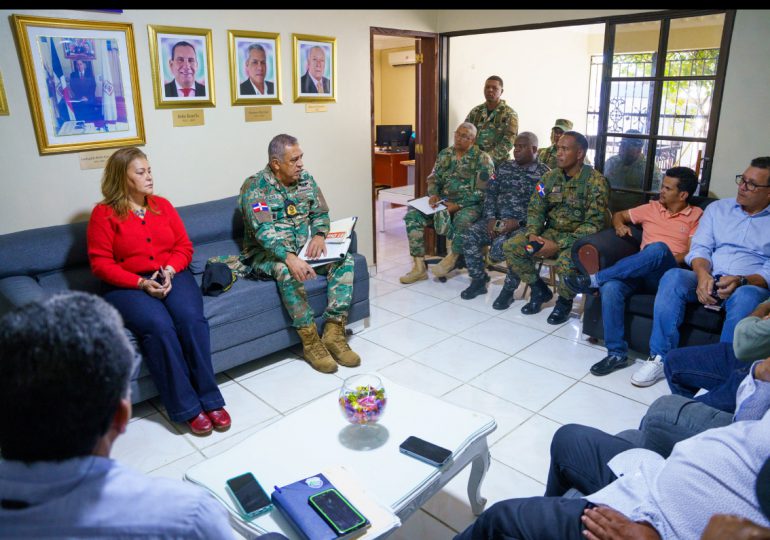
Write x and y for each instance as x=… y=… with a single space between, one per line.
x=426 y=109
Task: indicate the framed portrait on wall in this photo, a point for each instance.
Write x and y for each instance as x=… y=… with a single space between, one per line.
x=81 y=82
x=315 y=68
x=182 y=67
x=3 y=100
x=255 y=70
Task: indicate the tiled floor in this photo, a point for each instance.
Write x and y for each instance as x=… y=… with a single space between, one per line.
x=531 y=376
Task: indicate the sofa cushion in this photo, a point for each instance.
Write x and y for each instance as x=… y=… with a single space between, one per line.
x=213 y=220
x=78 y=278
x=203 y=252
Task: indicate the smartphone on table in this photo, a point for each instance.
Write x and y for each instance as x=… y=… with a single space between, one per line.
x=425 y=451
x=250 y=499
x=337 y=511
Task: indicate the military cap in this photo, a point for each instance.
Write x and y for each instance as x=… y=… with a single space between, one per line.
x=563 y=124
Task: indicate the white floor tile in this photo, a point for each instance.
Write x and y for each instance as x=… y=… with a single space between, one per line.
x=451 y=505
x=290 y=385
x=419 y=377
x=527 y=448
x=451 y=288
x=379 y=317
x=507 y=415
x=177 y=469
x=450 y=317
x=260 y=365
x=406 y=336
x=377 y=287
x=484 y=302
x=373 y=357
x=405 y=301
x=424 y=527
x=538 y=320
x=522 y=383
x=459 y=358
x=150 y=443
x=502 y=335
x=591 y=406
x=561 y=355
x=619 y=382
x=392 y=274
x=141 y=410
x=226 y=444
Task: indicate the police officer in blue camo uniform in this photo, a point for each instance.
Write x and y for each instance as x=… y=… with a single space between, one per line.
x=505 y=211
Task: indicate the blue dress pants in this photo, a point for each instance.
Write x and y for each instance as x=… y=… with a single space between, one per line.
x=713 y=367
x=640 y=272
x=174 y=337
x=677 y=288
x=579 y=456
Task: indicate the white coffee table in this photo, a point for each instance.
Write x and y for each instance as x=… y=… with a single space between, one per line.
x=398 y=195
x=317 y=437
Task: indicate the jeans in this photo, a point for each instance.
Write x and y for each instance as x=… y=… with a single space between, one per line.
x=174 y=337
x=712 y=367
x=579 y=456
x=677 y=288
x=638 y=272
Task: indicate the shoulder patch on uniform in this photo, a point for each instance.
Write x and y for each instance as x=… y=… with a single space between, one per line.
x=540 y=187
x=262 y=211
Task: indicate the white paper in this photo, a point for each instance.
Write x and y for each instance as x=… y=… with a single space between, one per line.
x=423 y=206
x=344 y=226
x=334 y=252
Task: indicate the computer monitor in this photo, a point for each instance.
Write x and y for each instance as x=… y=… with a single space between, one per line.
x=393 y=135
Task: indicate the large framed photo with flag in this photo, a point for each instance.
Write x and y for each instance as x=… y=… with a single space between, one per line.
x=81 y=82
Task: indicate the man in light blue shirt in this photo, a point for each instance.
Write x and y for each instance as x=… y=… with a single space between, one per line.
x=732 y=241
x=65 y=368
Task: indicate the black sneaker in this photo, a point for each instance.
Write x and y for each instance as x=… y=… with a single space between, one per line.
x=579 y=283
x=610 y=363
x=477 y=287
x=560 y=312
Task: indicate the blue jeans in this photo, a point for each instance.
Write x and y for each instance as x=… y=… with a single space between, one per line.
x=677 y=288
x=174 y=337
x=638 y=272
x=713 y=367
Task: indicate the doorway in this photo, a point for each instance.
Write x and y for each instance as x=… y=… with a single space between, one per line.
x=404 y=120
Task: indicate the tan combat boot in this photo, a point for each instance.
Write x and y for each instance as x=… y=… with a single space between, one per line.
x=417 y=273
x=445 y=265
x=314 y=351
x=334 y=340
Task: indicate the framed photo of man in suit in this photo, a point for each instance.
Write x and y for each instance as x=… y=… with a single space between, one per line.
x=183 y=73
x=315 y=68
x=255 y=70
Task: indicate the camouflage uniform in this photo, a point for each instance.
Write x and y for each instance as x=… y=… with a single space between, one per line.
x=630 y=176
x=495 y=130
x=548 y=156
x=507 y=197
x=461 y=180
x=561 y=210
x=271 y=233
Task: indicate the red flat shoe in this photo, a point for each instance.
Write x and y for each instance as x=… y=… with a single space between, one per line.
x=200 y=425
x=220 y=419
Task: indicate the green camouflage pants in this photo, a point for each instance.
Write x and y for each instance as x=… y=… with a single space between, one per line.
x=525 y=266
x=339 y=290
x=457 y=225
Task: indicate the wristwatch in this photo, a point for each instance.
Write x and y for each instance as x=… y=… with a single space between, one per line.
x=742 y=281
x=321 y=234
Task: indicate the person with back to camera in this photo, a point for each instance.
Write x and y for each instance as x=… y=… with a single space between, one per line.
x=138 y=246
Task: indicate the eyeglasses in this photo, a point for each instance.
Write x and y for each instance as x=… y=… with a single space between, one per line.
x=463 y=137
x=750 y=186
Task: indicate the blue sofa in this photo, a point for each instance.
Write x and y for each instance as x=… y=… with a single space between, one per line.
x=247 y=322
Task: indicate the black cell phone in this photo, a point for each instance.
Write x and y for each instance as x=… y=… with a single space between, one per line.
x=337 y=511
x=249 y=496
x=425 y=451
x=715 y=295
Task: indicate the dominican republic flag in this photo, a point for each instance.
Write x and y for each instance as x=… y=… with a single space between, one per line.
x=260 y=207
x=540 y=189
x=63 y=100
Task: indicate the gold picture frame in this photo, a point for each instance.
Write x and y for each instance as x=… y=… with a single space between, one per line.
x=81 y=81
x=192 y=66
x=3 y=100
x=254 y=48
x=305 y=88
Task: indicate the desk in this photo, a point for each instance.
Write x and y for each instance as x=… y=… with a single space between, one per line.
x=316 y=437
x=388 y=169
x=409 y=171
x=399 y=195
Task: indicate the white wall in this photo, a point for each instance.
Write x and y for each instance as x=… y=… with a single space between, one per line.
x=195 y=164
x=545 y=73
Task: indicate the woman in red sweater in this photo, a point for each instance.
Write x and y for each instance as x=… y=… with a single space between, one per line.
x=138 y=246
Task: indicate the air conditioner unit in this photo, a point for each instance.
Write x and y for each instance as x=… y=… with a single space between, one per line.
x=402 y=58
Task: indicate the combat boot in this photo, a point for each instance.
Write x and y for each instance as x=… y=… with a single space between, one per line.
x=540 y=295
x=334 y=340
x=417 y=273
x=314 y=350
x=445 y=265
x=478 y=286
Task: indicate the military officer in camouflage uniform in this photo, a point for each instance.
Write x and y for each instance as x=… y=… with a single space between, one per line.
x=459 y=178
x=626 y=171
x=282 y=207
x=548 y=154
x=505 y=211
x=569 y=202
x=496 y=123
